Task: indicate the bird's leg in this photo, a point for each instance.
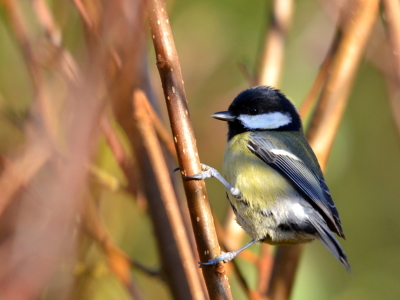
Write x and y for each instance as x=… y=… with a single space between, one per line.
x=227 y=256
x=209 y=172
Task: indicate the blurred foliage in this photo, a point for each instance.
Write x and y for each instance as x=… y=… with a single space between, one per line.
x=212 y=38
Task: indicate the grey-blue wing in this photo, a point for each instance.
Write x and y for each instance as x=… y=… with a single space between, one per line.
x=304 y=179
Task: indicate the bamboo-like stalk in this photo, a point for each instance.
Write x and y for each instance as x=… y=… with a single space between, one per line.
x=326 y=120
x=185 y=143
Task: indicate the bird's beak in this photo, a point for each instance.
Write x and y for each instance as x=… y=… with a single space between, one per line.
x=223 y=116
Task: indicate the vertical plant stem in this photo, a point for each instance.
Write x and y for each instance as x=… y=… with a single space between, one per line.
x=185 y=144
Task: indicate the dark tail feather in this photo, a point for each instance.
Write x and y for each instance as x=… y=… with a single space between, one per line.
x=330 y=242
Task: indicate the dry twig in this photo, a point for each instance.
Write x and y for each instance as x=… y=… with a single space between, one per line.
x=177 y=258
x=174 y=93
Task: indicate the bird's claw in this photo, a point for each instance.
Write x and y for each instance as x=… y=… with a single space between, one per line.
x=207 y=172
x=223 y=257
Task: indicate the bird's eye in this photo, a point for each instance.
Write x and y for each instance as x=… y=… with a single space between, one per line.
x=254 y=110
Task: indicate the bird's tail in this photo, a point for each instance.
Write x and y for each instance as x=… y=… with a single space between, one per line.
x=330 y=242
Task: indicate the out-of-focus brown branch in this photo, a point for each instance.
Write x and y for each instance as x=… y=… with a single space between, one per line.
x=120 y=155
x=177 y=258
x=17 y=22
x=392 y=18
x=264 y=264
x=273 y=50
x=118 y=262
x=126 y=70
x=359 y=20
x=162 y=132
x=241 y=278
x=185 y=143
x=318 y=82
x=51 y=53
x=43 y=234
x=283 y=272
x=321 y=77
x=17 y=174
x=84 y=14
x=244 y=68
x=46 y=20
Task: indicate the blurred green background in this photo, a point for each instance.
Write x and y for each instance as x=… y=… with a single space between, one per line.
x=212 y=38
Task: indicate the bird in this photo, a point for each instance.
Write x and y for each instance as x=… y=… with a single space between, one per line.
x=273 y=179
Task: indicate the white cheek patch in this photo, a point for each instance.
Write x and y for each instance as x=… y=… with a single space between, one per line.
x=265 y=121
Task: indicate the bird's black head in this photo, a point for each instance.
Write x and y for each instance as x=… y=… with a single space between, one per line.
x=260 y=108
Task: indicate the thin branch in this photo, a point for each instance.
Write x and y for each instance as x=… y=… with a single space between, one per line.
x=273 y=50
x=122 y=158
x=105 y=179
x=176 y=255
x=185 y=143
x=392 y=18
x=334 y=95
x=162 y=132
x=46 y=21
x=264 y=264
x=239 y=274
x=118 y=261
x=20 y=28
x=325 y=122
x=283 y=273
x=84 y=14
x=18 y=173
x=63 y=59
x=244 y=68
x=305 y=108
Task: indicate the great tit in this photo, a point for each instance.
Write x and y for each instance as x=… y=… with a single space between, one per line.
x=274 y=182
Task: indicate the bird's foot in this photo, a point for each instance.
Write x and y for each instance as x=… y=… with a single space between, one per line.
x=225 y=257
x=207 y=172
